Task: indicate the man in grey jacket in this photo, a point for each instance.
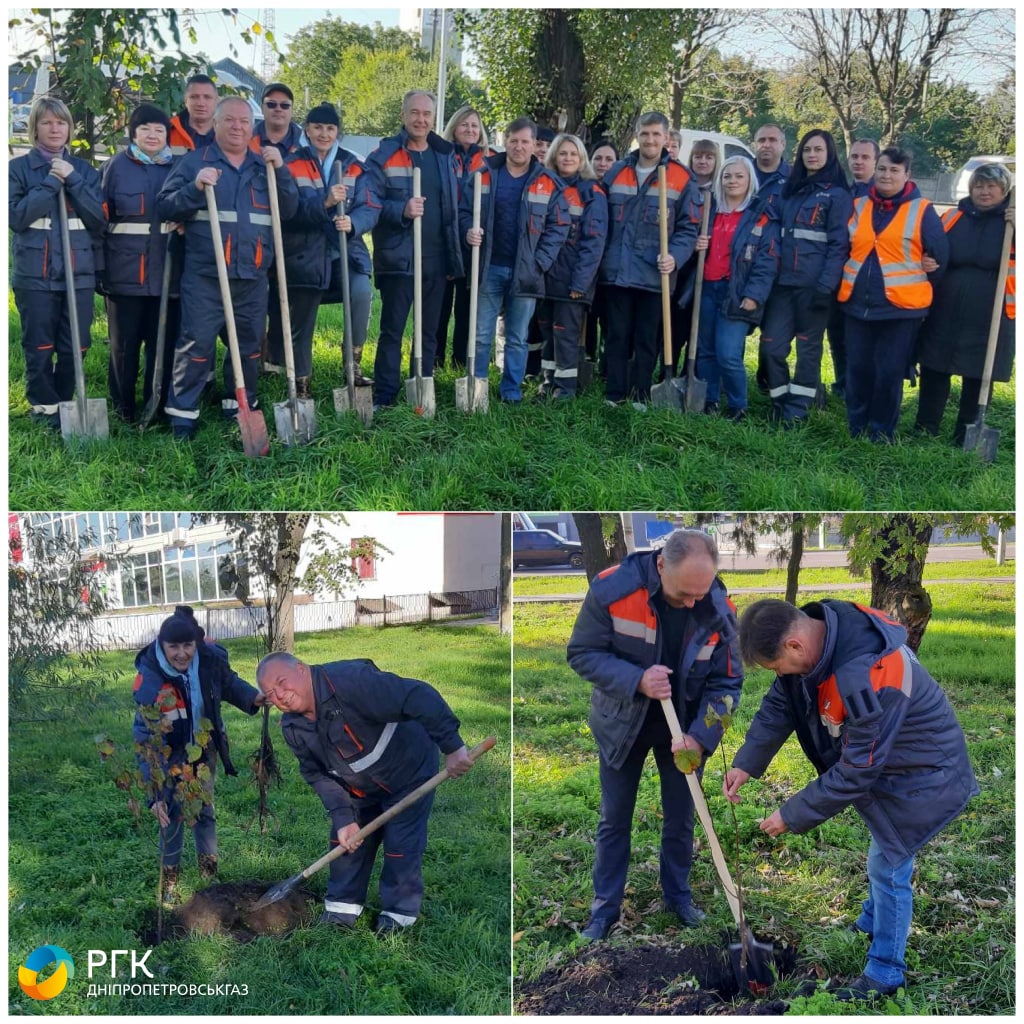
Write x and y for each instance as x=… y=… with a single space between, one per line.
x=883 y=738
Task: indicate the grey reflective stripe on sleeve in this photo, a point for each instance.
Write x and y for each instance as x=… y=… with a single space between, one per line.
x=627 y=627
x=260 y=218
x=378 y=751
x=44 y=224
x=225 y=215
x=128 y=229
x=907 y=682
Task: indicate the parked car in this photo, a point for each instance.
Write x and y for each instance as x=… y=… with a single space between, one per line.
x=544 y=547
x=963 y=176
x=728 y=145
x=19 y=118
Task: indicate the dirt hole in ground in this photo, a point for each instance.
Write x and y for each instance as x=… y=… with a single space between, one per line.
x=612 y=980
x=228 y=909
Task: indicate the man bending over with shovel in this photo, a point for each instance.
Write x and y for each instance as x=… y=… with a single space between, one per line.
x=364 y=739
x=657 y=626
x=883 y=738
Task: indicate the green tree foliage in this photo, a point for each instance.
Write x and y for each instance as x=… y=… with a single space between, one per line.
x=316 y=52
x=107 y=60
x=370 y=84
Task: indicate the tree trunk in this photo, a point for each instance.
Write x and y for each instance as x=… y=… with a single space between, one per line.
x=291 y=529
x=560 y=62
x=505 y=577
x=796 y=554
x=599 y=554
x=899 y=592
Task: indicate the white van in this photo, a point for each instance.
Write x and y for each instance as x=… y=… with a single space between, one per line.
x=728 y=145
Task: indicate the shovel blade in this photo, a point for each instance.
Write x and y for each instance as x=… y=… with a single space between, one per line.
x=363 y=403
x=306 y=414
x=694 y=394
x=278 y=892
x=255 y=441
x=758 y=977
x=666 y=396
x=981 y=437
x=462 y=397
x=96 y=424
x=584 y=371
x=481 y=394
x=419 y=393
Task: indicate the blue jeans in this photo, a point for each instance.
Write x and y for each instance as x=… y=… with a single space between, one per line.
x=205 y=828
x=720 y=344
x=496 y=294
x=886 y=914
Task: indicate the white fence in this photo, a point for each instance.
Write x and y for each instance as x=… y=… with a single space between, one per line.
x=130 y=632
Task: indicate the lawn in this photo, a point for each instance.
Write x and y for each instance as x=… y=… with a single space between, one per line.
x=582 y=455
x=83 y=876
x=527 y=585
x=801 y=890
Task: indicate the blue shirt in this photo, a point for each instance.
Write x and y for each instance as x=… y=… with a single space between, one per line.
x=507 y=197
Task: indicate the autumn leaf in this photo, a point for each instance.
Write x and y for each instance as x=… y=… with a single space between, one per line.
x=687 y=760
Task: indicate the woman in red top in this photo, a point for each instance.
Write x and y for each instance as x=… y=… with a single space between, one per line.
x=740 y=268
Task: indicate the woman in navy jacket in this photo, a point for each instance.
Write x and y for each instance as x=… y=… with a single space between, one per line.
x=815 y=209
x=739 y=271
x=36 y=183
x=136 y=248
x=185 y=678
x=570 y=284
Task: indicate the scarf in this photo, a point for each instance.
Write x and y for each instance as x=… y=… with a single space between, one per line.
x=885 y=205
x=163 y=157
x=49 y=155
x=191 y=680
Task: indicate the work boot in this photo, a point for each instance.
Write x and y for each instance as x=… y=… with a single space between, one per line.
x=690 y=914
x=863 y=988
x=170 y=889
x=302 y=387
x=597 y=928
x=387 y=925
x=207 y=865
x=338 y=920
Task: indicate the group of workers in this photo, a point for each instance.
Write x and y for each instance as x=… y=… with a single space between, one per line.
x=562 y=233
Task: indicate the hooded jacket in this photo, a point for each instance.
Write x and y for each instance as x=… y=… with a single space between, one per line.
x=618 y=635
x=543 y=223
x=375 y=735
x=390 y=168
x=33 y=214
x=243 y=206
x=137 y=240
x=878 y=729
x=631 y=255
x=576 y=265
x=218 y=682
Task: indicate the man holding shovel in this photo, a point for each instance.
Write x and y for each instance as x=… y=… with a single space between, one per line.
x=657 y=626
x=243 y=201
x=883 y=738
x=364 y=739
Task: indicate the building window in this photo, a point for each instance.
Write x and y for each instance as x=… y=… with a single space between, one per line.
x=363 y=562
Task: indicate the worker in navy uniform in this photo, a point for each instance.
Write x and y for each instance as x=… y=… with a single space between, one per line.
x=657 y=626
x=243 y=204
x=365 y=739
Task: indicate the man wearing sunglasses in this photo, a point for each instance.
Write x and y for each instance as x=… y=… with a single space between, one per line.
x=277 y=128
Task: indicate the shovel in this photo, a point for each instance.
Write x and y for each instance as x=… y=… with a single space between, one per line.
x=350 y=398
x=751 y=959
x=695 y=391
x=156 y=392
x=295 y=418
x=253 y=426
x=419 y=390
x=979 y=436
x=585 y=368
x=666 y=394
x=81 y=417
x=282 y=889
x=471 y=394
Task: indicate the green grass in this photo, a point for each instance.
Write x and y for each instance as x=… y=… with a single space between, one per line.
x=800 y=889
x=584 y=455
x=83 y=876
x=527 y=585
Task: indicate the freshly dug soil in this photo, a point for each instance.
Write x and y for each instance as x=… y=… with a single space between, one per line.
x=610 y=980
x=227 y=909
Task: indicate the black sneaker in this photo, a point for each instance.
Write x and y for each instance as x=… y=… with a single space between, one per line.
x=338 y=920
x=184 y=433
x=597 y=928
x=864 y=988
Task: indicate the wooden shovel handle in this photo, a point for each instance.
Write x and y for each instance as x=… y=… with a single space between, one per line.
x=698 y=285
x=997 y=307
x=282 y=283
x=407 y=801
x=474 y=287
x=225 y=289
x=666 y=284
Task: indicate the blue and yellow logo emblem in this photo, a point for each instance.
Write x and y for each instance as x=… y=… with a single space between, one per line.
x=38 y=960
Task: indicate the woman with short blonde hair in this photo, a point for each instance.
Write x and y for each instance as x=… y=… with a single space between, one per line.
x=586 y=171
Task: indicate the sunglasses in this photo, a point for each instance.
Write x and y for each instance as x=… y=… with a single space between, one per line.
x=274 y=104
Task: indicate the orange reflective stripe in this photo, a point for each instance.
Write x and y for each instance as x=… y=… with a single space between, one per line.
x=894 y=671
x=1010 y=300
x=632 y=617
x=949 y=218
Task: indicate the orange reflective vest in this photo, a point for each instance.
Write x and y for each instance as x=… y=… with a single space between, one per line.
x=899 y=252
x=949 y=218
